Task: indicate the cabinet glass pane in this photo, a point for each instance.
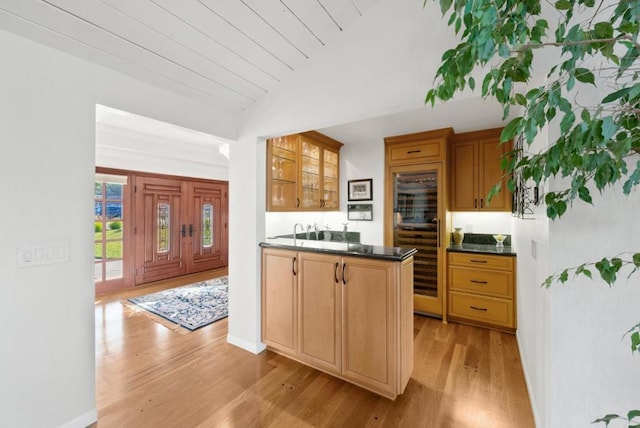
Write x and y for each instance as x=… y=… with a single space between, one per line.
x=416 y=225
x=330 y=181
x=310 y=175
x=284 y=171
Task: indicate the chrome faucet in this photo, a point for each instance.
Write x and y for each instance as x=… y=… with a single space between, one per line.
x=308 y=232
x=344 y=231
x=316 y=228
x=295 y=228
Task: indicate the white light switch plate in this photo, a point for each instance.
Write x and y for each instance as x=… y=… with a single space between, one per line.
x=534 y=249
x=43 y=254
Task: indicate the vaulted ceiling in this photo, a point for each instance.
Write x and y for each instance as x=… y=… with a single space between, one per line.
x=225 y=53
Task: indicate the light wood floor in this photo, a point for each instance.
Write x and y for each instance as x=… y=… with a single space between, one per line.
x=150 y=376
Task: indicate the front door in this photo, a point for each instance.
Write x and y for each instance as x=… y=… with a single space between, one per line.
x=158 y=232
x=205 y=246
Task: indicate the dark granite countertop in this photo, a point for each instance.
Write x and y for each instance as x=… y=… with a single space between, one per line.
x=483 y=249
x=341 y=248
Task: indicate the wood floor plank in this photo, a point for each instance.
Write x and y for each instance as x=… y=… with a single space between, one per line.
x=149 y=375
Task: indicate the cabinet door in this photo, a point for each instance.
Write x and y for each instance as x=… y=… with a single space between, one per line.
x=310 y=174
x=279 y=299
x=320 y=303
x=282 y=173
x=490 y=173
x=330 y=181
x=464 y=173
x=370 y=340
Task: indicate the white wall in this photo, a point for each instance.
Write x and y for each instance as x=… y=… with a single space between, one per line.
x=488 y=223
x=136 y=151
x=592 y=370
x=533 y=302
x=47 y=123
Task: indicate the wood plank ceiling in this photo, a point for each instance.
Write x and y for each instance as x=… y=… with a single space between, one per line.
x=226 y=53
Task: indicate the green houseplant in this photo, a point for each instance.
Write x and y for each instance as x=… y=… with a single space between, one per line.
x=598 y=48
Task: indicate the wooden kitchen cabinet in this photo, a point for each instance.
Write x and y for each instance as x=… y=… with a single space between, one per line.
x=303 y=173
x=354 y=316
x=280 y=300
x=481 y=290
x=475 y=164
x=372 y=318
x=320 y=306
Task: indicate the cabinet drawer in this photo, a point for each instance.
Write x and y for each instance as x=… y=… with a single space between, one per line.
x=418 y=151
x=490 y=310
x=481 y=281
x=481 y=261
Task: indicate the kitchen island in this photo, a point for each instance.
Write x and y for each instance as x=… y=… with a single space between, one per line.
x=342 y=308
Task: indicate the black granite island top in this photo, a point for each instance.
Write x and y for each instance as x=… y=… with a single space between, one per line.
x=482 y=249
x=341 y=248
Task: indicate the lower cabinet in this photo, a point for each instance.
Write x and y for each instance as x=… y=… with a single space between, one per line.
x=279 y=300
x=351 y=317
x=481 y=290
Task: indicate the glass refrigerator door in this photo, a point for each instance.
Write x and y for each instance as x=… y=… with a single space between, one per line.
x=416 y=221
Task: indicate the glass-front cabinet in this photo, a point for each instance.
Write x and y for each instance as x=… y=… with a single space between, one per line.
x=282 y=173
x=303 y=173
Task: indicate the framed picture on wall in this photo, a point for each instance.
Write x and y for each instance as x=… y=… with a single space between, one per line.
x=360 y=190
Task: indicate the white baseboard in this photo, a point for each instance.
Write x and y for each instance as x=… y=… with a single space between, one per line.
x=254 y=348
x=527 y=381
x=82 y=421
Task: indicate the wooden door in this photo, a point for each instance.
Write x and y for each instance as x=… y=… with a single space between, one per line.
x=464 y=173
x=205 y=226
x=490 y=173
x=157 y=233
x=369 y=322
x=320 y=304
x=279 y=299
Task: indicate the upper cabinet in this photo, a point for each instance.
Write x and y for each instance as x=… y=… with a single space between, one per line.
x=303 y=173
x=476 y=159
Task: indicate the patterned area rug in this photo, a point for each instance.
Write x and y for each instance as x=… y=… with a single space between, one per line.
x=192 y=306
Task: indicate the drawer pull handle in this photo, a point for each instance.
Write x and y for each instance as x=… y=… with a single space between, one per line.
x=477 y=261
x=475 y=281
x=414 y=151
x=478 y=309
